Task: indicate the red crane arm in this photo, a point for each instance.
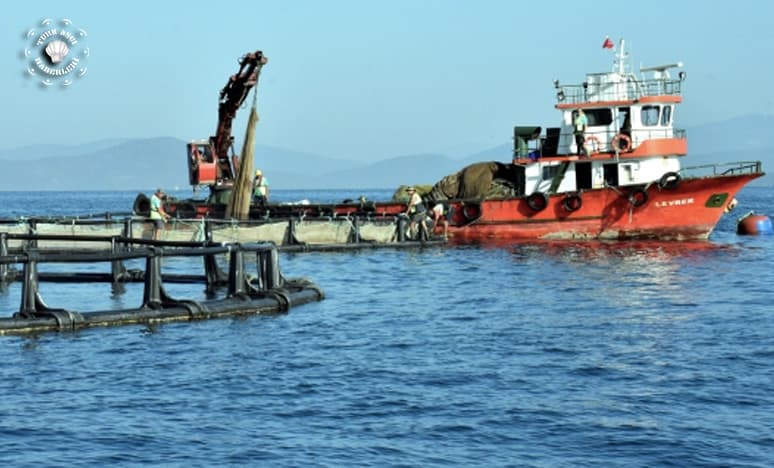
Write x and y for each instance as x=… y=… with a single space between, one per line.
x=231 y=98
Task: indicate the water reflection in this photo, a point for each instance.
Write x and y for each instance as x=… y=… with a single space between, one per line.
x=593 y=249
x=641 y=275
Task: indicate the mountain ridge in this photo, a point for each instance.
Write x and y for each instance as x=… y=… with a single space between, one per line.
x=145 y=163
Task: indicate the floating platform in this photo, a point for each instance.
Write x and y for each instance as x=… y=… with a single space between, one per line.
x=249 y=283
x=293 y=233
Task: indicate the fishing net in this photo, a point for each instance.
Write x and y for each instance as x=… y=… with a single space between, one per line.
x=239 y=205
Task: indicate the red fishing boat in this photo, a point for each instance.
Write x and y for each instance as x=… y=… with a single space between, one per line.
x=628 y=183
x=623 y=179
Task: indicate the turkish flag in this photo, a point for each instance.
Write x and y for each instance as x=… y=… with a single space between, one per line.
x=608 y=44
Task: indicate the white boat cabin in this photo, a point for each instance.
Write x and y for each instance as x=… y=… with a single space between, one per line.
x=629 y=139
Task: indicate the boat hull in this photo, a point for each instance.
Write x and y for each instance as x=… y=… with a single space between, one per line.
x=689 y=211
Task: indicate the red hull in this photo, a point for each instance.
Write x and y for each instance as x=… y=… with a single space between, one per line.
x=688 y=212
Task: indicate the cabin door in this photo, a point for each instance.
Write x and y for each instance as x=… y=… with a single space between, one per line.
x=611 y=174
x=582 y=175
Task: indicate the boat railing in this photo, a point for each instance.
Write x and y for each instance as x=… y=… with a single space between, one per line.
x=289 y=233
x=723 y=169
x=601 y=140
x=623 y=90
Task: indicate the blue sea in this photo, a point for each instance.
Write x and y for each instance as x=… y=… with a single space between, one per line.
x=635 y=354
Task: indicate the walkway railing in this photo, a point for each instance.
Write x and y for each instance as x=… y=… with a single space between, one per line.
x=291 y=234
x=247 y=291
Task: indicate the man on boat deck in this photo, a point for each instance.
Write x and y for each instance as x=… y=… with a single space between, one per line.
x=157 y=213
x=579 y=130
x=440 y=215
x=416 y=213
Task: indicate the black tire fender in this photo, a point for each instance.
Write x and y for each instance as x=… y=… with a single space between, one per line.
x=572 y=202
x=471 y=211
x=670 y=181
x=638 y=197
x=185 y=210
x=537 y=201
x=141 y=205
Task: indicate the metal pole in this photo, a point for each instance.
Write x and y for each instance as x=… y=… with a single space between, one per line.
x=29 y=293
x=152 y=296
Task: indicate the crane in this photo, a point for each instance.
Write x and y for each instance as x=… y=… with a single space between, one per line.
x=213 y=162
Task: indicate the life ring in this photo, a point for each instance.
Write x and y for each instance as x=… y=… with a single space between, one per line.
x=471 y=212
x=572 y=202
x=537 y=201
x=621 y=143
x=595 y=144
x=669 y=181
x=638 y=197
x=185 y=210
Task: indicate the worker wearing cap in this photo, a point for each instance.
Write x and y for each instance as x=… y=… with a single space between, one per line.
x=416 y=212
x=260 y=188
x=157 y=213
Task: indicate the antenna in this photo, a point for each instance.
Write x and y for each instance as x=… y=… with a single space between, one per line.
x=661 y=71
x=619 y=64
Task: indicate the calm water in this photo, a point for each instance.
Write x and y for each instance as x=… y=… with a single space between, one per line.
x=629 y=354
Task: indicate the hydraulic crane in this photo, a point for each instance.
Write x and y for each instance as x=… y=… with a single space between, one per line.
x=213 y=162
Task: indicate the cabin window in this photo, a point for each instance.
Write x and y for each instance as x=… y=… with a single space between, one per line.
x=599 y=117
x=628 y=172
x=204 y=150
x=624 y=120
x=666 y=116
x=649 y=115
x=549 y=172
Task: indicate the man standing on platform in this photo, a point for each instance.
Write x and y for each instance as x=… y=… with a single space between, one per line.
x=157 y=213
x=260 y=189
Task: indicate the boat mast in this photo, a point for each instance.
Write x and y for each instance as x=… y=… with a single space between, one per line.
x=619 y=63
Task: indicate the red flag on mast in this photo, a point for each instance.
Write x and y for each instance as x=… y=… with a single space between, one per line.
x=608 y=44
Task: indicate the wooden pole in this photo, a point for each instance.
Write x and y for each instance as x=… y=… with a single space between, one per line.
x=242 y=194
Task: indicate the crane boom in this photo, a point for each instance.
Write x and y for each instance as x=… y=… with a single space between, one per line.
x=210 y=162
x=231 y=98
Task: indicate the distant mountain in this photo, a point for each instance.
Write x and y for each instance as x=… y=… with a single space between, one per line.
x=502 y=152
x=747 y=133
x=58 y=151
x=143 y=164
x=390 y=173
x=129 y=164
x=273 y=159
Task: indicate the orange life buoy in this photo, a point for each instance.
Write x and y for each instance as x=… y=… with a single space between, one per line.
x=595 y=144
x=621 y=143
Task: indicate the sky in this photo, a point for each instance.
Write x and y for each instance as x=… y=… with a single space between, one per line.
x=368 y=80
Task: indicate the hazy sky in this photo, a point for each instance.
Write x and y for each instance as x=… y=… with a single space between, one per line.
x=365 y=79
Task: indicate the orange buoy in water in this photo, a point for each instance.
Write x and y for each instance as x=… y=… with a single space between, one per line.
x=754 y=224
